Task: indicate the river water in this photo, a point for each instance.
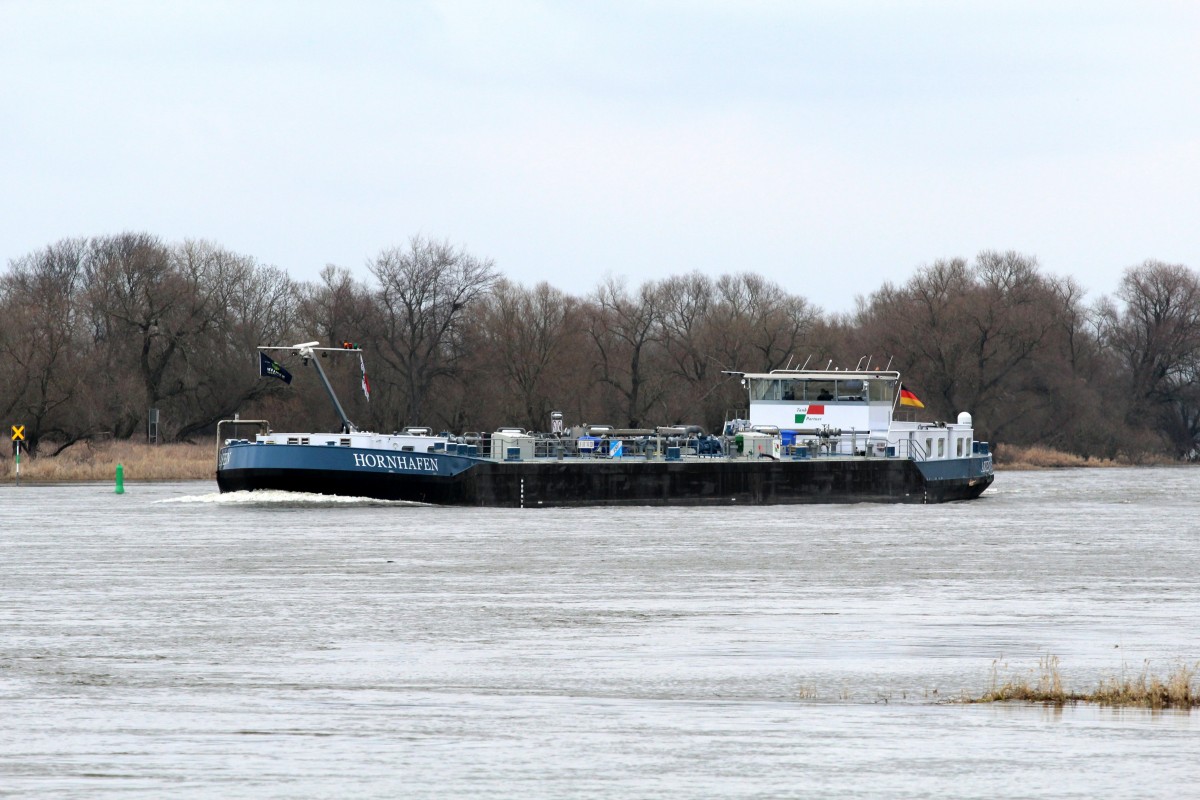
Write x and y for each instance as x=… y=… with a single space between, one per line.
x=174 y=642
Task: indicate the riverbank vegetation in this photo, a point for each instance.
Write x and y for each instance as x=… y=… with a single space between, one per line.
x=1036 y=456
x=1178 y=688
x=95 y=332
x=98 y=460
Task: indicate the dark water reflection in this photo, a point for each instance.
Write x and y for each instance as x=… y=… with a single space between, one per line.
x=174 y=641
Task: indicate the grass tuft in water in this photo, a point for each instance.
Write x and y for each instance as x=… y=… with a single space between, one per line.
x=1146 y=690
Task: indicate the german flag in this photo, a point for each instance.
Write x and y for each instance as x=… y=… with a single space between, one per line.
x=907 y=398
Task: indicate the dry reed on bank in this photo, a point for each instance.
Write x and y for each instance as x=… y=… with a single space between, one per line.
x=1177 y=690
x=1009 y=456
x=98 y=462
x=1036 y=456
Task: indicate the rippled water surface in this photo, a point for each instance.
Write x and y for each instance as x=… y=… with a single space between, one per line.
x=174 y=642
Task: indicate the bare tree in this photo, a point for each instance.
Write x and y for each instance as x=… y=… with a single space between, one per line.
x=176 y=327
x=623 y=328
x=919 y=323
x=424 y=290
x=1157 y=337
x=526 y=336
x=994 y=338
x=702 y=334
x=44 y=364
x=758 y=325
x=150 y=308
x=686 y=324
x=252 y=305
x=336 y=309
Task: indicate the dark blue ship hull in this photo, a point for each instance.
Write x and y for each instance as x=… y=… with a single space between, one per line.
x=444 y=479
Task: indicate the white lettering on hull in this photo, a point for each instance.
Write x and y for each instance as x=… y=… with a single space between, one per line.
x=408 y=463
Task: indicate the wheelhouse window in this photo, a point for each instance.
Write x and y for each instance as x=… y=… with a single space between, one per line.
x=881 y=391
x=764 y=389
x=852 y=390
x=820 y=391
x=812 y=390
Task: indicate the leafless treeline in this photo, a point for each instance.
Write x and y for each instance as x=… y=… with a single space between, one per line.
x=94 y=332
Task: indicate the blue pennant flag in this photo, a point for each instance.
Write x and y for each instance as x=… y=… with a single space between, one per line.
x=267 y=367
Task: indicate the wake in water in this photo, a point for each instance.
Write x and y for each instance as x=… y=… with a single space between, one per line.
x=272 y=498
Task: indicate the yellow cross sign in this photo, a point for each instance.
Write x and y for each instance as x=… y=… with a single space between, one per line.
x=18 y=433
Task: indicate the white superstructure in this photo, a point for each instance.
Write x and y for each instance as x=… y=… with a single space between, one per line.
x=849 y=412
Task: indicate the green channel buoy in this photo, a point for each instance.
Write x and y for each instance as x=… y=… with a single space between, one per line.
x=120 y=479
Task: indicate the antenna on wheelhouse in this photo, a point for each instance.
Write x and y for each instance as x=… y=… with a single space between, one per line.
x=806 y=362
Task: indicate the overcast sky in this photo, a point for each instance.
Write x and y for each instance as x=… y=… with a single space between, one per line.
x=827 y=145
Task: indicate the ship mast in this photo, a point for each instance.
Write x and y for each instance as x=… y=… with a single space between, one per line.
x=306 y=353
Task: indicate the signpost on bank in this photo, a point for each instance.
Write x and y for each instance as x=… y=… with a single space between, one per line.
x=18 y=440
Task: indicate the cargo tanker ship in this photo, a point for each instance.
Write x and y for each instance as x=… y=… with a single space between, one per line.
x=807 y=436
